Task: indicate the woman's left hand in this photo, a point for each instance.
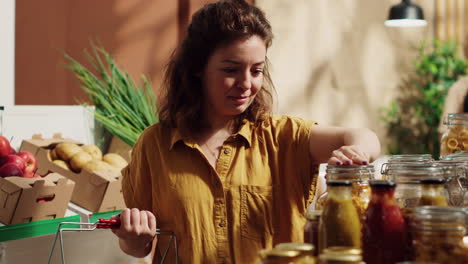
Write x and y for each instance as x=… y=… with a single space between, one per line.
x=349 y=155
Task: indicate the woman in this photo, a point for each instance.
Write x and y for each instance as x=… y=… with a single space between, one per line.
x=226 y=176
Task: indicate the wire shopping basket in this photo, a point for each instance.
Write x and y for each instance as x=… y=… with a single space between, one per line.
x=105 y=224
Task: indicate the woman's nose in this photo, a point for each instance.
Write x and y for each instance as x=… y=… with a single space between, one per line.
x=245 y=81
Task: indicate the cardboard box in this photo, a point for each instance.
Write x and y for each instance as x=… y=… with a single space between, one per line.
x=94 y=191
x=24 y=200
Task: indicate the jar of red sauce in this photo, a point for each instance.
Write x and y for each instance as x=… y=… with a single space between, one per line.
x=384 y=230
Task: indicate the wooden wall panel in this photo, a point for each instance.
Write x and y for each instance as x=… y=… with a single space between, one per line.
x=140 y=34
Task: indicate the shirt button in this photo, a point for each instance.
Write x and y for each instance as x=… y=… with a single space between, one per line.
x=222 y=223
x=227 y=151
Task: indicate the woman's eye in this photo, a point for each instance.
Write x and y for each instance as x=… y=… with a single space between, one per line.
x=228 y=70
x=257 y=71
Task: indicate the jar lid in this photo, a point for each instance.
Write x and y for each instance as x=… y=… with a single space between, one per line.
x=338 y=183
x=350 y=172
x=382 y=184
x=345 y=254
x=414 y=173
x=428 y=181
x=301 y=247
x=456 y=119
x=344 y=250
x=386 y=167
x=278 y=254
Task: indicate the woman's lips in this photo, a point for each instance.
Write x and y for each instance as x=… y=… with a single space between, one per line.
x=239 y=99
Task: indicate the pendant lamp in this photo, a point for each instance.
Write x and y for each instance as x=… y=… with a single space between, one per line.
x=406 y=14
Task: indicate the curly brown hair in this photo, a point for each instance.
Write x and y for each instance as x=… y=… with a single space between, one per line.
x=212 y=26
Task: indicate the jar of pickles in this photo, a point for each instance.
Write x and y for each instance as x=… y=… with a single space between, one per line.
x=341 y=255
x=359 y=176
x=438 y=234
x=311 y=229
x=455 y=138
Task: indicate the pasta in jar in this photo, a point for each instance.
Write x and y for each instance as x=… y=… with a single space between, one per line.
x=455 y=139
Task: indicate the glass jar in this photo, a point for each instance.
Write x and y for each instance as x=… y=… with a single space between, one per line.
x=384 y=230
x=340 y=224
x=455 y=138
x=433 y=192
x=311 y=229
x=341 y=255
x=306 y=251
x=278 y=256
x=454 y=173
x=408 y=177
x=438 y=235
x=359 y=175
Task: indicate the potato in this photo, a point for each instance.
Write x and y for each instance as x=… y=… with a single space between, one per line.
x=99 y=166
x=61 y=163
x=79 y=160
x=65 y=151
x=115 y=160
x=52 y=155
x=93 y=150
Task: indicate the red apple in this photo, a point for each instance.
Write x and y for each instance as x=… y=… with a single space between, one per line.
x=31 y=161
x=10 y=169
x=5 y=147
x=13 y=151
x=19 y=161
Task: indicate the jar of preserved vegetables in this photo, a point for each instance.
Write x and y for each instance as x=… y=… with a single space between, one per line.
x=359 y=175
x=433 y=192
x=311 y=229
x=341 y=255
x=455 y=138
x=340 y=224
x=408 y=177
x=384 y=237
x=438 y=234
x=278 y=256
x=306 y=251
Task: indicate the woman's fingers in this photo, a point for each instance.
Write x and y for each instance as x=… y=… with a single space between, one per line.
x=348 y=155
x=151 y=221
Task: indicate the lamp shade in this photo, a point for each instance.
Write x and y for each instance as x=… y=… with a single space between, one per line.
x=406 y=14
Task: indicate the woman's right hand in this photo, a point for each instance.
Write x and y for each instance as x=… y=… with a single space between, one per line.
x=136 y=232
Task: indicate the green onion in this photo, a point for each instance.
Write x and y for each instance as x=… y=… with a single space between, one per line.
x=122 y=107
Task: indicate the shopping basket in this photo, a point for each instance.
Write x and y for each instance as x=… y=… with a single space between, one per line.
x=105 y=224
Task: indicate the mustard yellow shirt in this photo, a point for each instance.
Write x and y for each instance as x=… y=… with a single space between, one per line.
x=255 y=199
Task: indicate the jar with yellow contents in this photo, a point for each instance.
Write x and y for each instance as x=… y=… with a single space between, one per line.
x=438 y=234
x=455 y=138
x=359 y=176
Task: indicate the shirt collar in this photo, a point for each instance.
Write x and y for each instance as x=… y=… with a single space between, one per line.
x=245 y=132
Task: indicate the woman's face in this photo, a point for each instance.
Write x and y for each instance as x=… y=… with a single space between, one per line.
x=233 y=76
